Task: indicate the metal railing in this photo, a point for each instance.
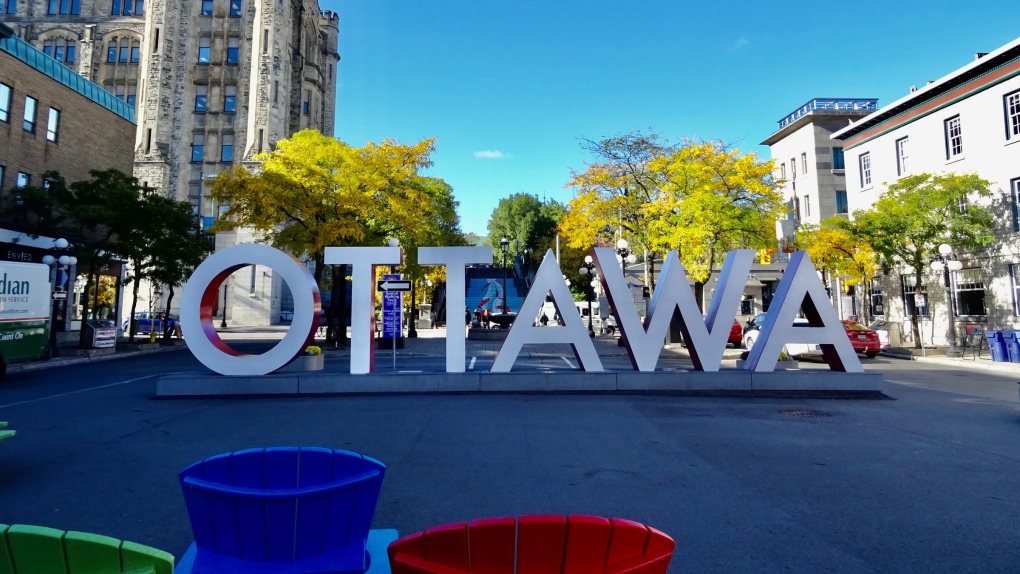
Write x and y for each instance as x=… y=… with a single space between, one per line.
x=831 y=105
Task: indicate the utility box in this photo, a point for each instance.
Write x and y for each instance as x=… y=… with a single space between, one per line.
x=100 y=334
x=424 y=316
x=888 y=333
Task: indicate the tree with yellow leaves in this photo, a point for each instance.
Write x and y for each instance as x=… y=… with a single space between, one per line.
x=713 y=199
x=838 y=247
x=314 y=191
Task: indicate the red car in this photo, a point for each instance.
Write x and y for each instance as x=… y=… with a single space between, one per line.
x=736 y=334
x=863 y=339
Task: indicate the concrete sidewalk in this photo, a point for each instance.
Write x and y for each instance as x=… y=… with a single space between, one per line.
x=937 y=356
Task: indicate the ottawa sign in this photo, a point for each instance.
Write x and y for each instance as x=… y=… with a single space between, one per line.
x=799 y=289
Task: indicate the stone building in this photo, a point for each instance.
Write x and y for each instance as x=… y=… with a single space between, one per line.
x=966 y=122
x=49 y=121
x=213 y=83
x=812 y=170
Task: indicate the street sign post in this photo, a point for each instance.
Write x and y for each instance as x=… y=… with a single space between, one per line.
x=391 y=286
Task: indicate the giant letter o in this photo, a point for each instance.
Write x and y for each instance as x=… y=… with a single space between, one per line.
x=202 y=290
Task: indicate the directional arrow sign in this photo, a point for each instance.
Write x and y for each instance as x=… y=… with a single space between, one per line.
x=391 y=285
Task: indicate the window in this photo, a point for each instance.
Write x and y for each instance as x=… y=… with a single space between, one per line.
x=115 y=8
x=203 y=50
x=131 y=95
x=69 y=55
x=52 y=125
x=12 y=6
x=227 y=148
x=119 y=92
x=125 y=46
x=24 y=180
x=136 y=52
x=837 y=158
x=197 y=144
x=969 y=292
x=803 y=163
x=139 y=7
x=75 y=7
x=875 y=298
x=865 y=161
x=782 y=171
x=233 y=50
x=1012 y=104
x=111 y=52
x=127 y=8
x=1014 y=273
x=901 y=156
x=807 y=209
x=29 y=123
x=52 y=7
x=1014 y=193
x=793 y=167
x=5 y=103
x=230 y=99
x=201 y=98
x=265 y=41
x=841 y=204
x=954 y=138
x=262 y=135
x=235 y=8
x=909 y=290
x=207 y=7
x=2 y=172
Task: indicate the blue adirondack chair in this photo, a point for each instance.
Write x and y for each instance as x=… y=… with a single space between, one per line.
x=284 y=510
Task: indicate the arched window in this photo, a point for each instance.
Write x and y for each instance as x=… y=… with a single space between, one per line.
x=124 y=7
x=60 y=49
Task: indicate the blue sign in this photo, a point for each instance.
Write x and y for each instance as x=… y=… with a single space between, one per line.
x=392 y=308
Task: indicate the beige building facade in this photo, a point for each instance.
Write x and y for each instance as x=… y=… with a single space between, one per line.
x=212 y=82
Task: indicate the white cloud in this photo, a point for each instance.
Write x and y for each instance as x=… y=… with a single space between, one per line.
x=491 y=154
x=742 y=42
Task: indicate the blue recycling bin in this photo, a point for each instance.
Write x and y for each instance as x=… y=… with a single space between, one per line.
x=997 y=346
x=1012 y=340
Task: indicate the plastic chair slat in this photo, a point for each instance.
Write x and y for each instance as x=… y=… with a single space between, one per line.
x=91 y=553
x=340 y=505
x=37 y=549
x=587 y=543
x=628 y=541
x=281 y=472
x=222 y=508
x=6 y=560
x=315 y=469
x=540 y=544
x=493 y=545
x=250 y=472
x=198 y=510
x=365 y=499
x=447 y=545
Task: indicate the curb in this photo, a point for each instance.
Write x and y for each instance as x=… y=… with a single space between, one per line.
x=1007 y=368
x=61 y=362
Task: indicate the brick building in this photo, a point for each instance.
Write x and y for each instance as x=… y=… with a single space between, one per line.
x=53 y=119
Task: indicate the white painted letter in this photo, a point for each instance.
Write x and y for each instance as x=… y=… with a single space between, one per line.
x=455 y=259
x=362 y=261
x=705 y=338
x=799 y=288
x=548 y=279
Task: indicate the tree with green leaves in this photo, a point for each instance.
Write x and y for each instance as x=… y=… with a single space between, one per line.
x=918 y=213
x=528 y=222
x=95 y=215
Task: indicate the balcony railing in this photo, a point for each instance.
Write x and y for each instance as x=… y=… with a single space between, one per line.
x=831 y=105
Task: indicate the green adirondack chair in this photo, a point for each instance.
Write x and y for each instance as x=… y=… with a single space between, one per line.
x=40 y=550
x=6 y=433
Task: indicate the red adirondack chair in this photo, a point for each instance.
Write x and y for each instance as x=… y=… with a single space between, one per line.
x=539 y=544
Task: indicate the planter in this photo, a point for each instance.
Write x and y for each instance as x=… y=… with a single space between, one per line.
x=304 y=363
x=787 y=365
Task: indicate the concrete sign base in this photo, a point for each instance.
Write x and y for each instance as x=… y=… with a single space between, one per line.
x=814 y=382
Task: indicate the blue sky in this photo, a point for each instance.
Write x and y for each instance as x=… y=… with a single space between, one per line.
x=510 y=88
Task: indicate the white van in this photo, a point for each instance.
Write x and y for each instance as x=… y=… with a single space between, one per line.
x=24 y=312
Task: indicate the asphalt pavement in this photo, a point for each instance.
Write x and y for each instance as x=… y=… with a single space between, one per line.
x=924 y=481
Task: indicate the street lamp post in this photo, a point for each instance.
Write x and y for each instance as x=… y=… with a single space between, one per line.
x=62 y=261
x=946 y=262
x=223 y=322
x=624 y=256
x=503 y=245
x=588 y=269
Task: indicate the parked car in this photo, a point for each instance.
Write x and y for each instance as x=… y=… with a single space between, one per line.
x=146 y=319
x=734 y=337
x=863 y=339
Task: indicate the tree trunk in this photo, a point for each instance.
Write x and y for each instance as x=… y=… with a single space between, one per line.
x=167 y=334
x=336 y=305
x=412 y=330
x=651 y=274
x=83 y=340
x=699 y=293
x=132 y=322
x=916 y=318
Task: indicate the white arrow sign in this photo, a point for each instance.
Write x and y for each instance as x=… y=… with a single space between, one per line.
x=394 y=285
